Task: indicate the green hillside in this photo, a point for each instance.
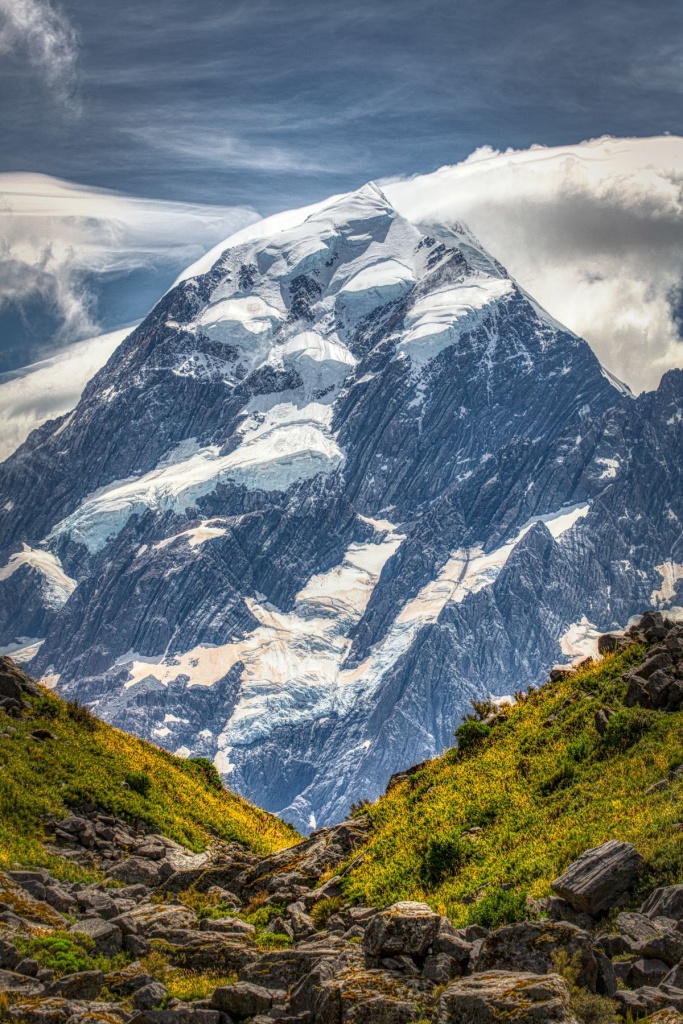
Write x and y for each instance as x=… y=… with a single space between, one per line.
x=477 y=831
x=84 y=760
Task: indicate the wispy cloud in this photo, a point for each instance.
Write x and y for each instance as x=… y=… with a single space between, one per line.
x=42 y=34
x=60 y=239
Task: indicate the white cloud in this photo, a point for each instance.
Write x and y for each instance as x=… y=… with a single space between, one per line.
x=594 y=232
x=47 y=389
x=43 y=34
x=56 y=235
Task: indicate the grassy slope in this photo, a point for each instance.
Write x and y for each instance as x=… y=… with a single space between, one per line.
x=89 y=762
x=541 y=795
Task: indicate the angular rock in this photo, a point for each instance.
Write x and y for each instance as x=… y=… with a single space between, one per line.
x=149 y=996
x=595 y=881
x=242 y=999
x=641 y=1002
x=531 y=946
x=13 y=984
x=227 y=925
x=82 y=985
x=665 y=902
x=406 y=928
x=647 y=972
x=106 y=936
x=137 y=871
x=650 y=939
x=494 y=996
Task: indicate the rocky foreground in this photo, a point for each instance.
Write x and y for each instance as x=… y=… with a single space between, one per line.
x=273 y=939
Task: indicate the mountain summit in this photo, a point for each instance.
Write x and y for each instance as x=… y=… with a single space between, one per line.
x=337 y=484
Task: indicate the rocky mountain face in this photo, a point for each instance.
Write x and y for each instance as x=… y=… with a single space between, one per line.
x=332 y=488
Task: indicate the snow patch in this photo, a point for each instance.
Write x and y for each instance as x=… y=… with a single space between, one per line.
x=437 y=320
x=580 y=639
x=671 y=572
x=57 y=586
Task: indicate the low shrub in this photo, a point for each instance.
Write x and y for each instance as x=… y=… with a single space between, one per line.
x=139 y=782
x=443 y=856
x=498 y=907
x=471 y=734
x=627 y=726
x=208 y=771
x=323 y=910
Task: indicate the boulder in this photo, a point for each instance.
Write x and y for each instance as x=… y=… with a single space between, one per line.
x=601 y=719
x=106 y=936
x=149 y=996
x=531 y=946
x=665 y=902
x=641 y=1002
x=405 y=928
x=666 y=1016
x=42 y=1011
x=650 y=939
x=441 y=968
x=494 y=996
x=599 y=877
x=137 y=871
x=608 y=643
x=13 y=984
x=82 y=985
x=647 y=972
x=242 y=999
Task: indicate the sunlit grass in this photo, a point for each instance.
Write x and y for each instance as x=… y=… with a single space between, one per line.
x=89 y=762
x=539 y=794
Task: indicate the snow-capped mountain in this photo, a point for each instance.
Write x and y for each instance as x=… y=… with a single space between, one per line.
x=341 y=480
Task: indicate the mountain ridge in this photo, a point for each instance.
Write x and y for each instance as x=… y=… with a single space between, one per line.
x=314 y=491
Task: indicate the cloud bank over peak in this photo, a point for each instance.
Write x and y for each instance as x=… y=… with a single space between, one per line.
x=593 y=231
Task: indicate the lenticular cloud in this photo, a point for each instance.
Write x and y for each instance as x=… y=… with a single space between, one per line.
x=593 y=231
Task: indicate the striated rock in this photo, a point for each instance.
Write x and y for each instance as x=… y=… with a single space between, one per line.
x=641 y=1002
x=595 y=881
x=493 y=996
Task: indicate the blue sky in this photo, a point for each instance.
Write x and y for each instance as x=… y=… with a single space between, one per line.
x=278 y=102
x=270 y=104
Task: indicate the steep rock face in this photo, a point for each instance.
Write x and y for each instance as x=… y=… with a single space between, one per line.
x=332 y=488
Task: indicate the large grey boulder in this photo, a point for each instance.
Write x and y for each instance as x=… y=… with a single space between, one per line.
x=406 y=928
x=665 y=902
x=149 y=996
x=106 y=936
x=494 y=996
x=531 y=946
x=599 y=877
x=242 y=999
